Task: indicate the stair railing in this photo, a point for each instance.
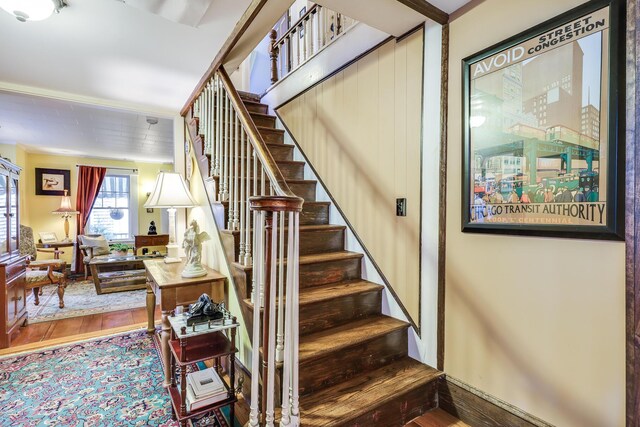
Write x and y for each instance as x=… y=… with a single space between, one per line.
x=314 y=30
x=260 y=204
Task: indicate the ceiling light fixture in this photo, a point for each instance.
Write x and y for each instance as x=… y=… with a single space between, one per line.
x=152 y=120
x=32 y=10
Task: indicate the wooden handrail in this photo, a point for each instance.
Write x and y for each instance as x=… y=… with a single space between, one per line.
x=293 y=27
x=264 y=155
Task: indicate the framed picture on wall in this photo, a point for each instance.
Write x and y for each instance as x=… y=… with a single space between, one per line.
x=52 y=182
x=543 y=127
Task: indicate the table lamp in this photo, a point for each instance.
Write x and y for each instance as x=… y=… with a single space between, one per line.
x=66 y=211
x=171 y=192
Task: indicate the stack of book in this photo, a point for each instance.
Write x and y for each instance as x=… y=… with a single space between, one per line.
x=204 y=388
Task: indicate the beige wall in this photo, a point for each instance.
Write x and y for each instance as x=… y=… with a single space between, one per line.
x=361 y=131
x=36 y=210
x=536 y=322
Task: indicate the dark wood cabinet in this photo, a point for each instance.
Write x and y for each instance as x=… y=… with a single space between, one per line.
x=146 y=240
x=13 y=304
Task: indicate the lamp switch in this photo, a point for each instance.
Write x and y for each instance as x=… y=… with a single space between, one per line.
x=401 y=207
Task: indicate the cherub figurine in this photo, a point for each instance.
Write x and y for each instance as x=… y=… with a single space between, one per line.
x=192 y=245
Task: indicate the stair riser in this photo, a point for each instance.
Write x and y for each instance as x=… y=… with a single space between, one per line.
x=259 y=120
x=283 y=152
x=252 y=108
x=289 y=170
x=265 y=121
x=339 y=311
x=292 y=170
x=311 y=242
x=322 y=273
x=352 y=360
x=272 y=136
x=399 y=411
x=312 y=214
x=306 y=190
x=257 y=108
x=314 y=274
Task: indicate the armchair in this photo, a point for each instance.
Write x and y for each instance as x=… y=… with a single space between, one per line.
x=42 y=272
x=92 y=246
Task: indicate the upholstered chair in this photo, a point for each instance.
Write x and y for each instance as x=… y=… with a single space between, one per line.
x=92 y=246
x=42 y=272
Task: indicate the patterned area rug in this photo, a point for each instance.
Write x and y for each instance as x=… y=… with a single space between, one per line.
x=114 y=381
x=81 y=299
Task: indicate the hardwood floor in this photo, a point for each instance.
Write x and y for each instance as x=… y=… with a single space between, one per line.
x=57 y=332
x=437 y=418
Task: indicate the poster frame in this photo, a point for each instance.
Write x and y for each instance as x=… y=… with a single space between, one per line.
x=614 y=228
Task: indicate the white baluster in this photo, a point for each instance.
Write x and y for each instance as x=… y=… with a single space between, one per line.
x=287 y=369
x=295 y=302
x=248 y=258
x=218 y=129
x=233 y=134
x=254 y=414
x=225 y=142
x=236 y=216
x=271 y=360
x=281 y=258
x=242 y=198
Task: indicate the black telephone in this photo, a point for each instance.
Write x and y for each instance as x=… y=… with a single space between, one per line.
x=205 y=310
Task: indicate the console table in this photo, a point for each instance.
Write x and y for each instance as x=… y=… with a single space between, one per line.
x=144 y=240
x=170 y=289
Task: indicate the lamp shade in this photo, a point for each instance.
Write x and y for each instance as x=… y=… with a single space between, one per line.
x=170 y=191
x=65 y=206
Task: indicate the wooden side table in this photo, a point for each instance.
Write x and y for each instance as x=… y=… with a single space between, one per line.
x=190 y=345
x=164 y=283
x=56 y=247
x=144 y=240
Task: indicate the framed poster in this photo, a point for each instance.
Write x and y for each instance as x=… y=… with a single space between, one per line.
x=543 y=127
x=52 y=182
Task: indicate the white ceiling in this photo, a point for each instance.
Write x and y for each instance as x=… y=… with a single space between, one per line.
x=449 y=6
x=45 y=125
x=121 y=61
x=109 y=50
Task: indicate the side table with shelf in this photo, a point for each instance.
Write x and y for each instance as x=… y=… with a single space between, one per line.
x=192 y=344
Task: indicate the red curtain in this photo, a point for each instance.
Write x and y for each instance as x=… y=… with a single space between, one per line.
x=89 y=182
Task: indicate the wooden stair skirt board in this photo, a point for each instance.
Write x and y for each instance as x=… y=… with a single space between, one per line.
x=354 y=363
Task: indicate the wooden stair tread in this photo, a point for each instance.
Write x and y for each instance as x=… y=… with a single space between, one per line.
x=248 y=96
x=338 y=404
x=330 y=291
x=315 y=294
x=262 y=115
x=317 y=258
x=268 y=129
x=354 y=333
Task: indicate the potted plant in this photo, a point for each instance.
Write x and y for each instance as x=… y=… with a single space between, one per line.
x=120 y=249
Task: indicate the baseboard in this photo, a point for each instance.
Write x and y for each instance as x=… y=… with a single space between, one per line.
x=479 y=409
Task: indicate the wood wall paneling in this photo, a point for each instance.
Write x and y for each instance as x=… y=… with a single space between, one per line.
x=361 y=131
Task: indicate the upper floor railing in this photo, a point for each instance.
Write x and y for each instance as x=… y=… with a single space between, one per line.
x=314 y=30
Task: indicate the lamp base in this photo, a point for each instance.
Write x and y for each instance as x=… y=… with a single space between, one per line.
x=173 y=251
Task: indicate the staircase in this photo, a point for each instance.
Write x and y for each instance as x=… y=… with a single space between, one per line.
x=353 y=364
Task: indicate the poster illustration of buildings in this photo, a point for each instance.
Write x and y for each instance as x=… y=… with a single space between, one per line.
x=537 y=129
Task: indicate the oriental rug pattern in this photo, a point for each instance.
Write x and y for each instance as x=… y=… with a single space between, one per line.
x=81 y=299
x=113 y=381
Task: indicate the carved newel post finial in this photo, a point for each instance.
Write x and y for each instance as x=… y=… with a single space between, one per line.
x=273 y=54
x=192 y=245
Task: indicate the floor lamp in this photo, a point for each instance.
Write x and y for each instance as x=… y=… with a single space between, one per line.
x=67 y=212
x=171 y=192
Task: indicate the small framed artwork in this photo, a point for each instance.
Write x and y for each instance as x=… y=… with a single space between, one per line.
x=48 y=237
x=543 y=127
x=52 y=182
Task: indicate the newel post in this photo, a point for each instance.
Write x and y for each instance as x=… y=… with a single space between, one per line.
x=274 y=50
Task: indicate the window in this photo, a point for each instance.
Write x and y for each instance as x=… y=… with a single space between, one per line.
x=114 y=212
